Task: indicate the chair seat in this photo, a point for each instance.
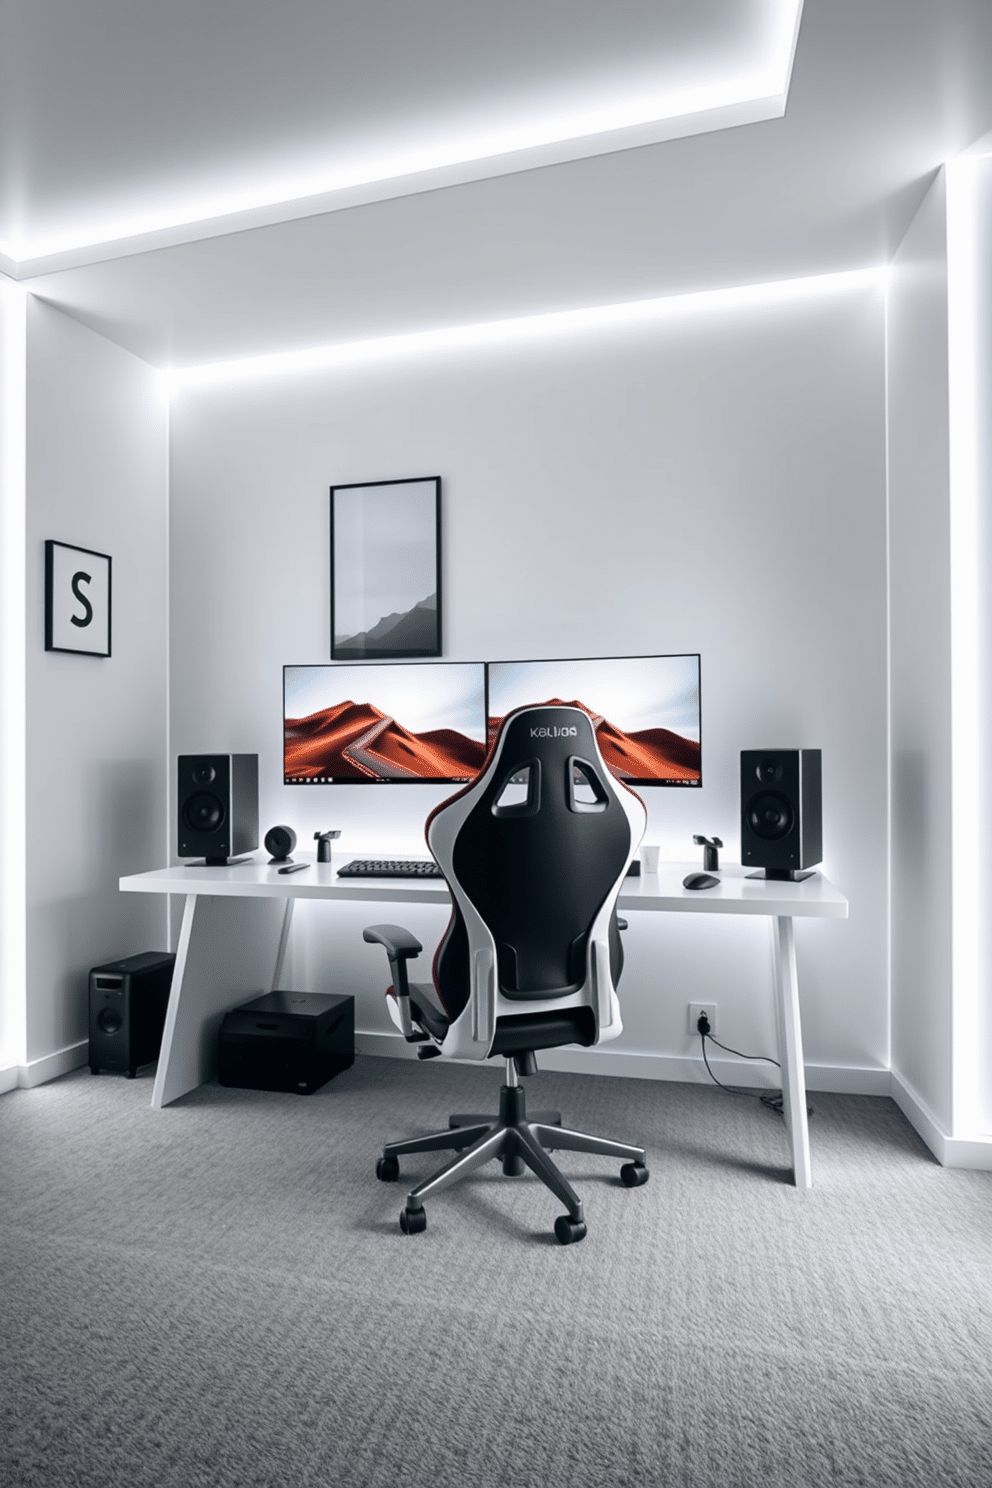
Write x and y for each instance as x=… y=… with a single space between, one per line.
x=425 y=1011
x=516 y=1033
x=534 y=1031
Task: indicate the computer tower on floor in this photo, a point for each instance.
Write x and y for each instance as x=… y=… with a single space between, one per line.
x=128 y=1002
x=289 y=1041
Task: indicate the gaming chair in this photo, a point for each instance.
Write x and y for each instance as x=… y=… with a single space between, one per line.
x=534 y=850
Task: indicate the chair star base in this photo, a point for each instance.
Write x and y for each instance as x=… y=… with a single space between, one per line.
x=519 y=1143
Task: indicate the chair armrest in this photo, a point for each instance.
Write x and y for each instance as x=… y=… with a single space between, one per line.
x=397 y=941
x=400 y=947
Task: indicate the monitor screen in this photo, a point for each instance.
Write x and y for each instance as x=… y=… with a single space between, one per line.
x=645 y=709
x=383 y=724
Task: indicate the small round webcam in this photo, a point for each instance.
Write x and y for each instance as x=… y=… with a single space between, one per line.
x=280 y=841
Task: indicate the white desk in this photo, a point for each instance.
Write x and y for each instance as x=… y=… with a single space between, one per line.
x=236 y=924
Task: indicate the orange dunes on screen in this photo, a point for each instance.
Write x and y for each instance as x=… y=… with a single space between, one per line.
x=356 y=741
x=647 y=754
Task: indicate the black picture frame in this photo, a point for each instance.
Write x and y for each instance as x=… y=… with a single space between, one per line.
x=386 y=569
x=78 y=594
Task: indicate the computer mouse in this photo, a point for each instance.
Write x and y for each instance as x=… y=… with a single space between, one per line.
x=700 y=881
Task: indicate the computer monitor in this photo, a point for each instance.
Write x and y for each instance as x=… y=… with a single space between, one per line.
x=384 y=724
x=645 y=709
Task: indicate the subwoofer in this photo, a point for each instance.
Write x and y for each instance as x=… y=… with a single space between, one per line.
x=128 y=1002
x=217 y=802
x=781 y=811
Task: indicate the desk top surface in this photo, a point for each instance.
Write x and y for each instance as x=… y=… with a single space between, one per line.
x=814 y=897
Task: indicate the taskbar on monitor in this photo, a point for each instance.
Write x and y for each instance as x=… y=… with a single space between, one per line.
x=373 y=780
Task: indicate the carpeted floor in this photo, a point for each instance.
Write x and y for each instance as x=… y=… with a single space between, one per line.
x=219 y=1294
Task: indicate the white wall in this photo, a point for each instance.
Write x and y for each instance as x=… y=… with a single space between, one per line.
x=13 y=418
x=715 y=485
x=969 y=257
x=96 y=728
x=975 y=1034
x=920 y=660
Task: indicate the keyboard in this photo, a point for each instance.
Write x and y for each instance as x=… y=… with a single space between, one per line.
x=390 y=868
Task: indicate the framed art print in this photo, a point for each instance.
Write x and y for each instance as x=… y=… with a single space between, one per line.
x=77 y=600
x=386 y=570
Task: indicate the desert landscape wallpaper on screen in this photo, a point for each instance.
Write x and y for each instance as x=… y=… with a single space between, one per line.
x=437 y=721
x=357 y=742
x=647 y=754
x=384 y=723
x=645 y=709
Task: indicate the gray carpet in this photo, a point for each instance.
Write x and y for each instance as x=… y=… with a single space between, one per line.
x=219 y=1294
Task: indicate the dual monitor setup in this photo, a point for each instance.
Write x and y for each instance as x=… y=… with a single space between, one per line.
x=408 y=723
x=434 y=723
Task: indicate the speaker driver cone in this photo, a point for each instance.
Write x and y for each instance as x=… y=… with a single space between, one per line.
x=203 y=812
x=770 y=816
x=110 y=1020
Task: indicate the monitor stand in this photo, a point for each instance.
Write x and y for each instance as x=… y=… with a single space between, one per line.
x=782 y=875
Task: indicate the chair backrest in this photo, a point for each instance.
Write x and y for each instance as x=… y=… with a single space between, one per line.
x=535 y=851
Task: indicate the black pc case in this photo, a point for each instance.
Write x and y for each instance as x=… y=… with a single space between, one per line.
x=128 y=1002
x=289 y=1041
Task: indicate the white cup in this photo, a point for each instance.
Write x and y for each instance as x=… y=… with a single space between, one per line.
x=649 y=859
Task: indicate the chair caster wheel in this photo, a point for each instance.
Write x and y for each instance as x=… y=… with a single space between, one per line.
x=387 y=1169
x=632 y=1175
x=413 y=1221
x=569 y=1230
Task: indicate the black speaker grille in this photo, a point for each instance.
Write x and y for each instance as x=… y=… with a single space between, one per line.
x=770 y=816
x=204 y=812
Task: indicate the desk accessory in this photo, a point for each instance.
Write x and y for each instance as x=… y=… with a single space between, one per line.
x=288 y=1041
x=280 y=841
x=323 y=841
x=649 y=859
x=293 y=868
x=711 y=855
x=781 y=811
x=217 y=802
x=127 y=1005
x=390 y=868
x=699 y=881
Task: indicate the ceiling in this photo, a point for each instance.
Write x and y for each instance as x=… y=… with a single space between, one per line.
x=124 y=115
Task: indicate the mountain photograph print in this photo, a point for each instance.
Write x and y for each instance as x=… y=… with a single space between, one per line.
x=386 y=570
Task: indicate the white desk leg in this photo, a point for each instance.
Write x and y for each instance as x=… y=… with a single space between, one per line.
x=287 y=925
x=230 y=950
x=790 y=1050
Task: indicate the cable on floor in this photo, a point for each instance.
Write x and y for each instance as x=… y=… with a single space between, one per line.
x=773 y=1099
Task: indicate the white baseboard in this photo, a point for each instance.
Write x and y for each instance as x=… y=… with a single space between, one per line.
x=950 y=1152
x=49 y=1067
x=386 y=1045
x=630 y=1064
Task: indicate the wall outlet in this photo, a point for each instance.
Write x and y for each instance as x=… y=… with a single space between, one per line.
x=695 y=1008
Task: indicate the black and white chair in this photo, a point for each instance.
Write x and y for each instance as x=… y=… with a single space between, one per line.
x=534 y=851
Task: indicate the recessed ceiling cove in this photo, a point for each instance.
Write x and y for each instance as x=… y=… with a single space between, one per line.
x=126 y=123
